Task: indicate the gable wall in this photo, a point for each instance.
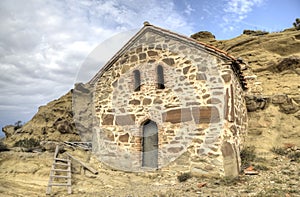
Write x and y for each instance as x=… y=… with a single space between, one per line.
x=190 y=112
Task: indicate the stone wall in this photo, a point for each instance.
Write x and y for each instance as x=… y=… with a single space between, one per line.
x=200 y=113
x=82 y=110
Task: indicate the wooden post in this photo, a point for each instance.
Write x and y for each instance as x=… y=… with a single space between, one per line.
x=92 y=170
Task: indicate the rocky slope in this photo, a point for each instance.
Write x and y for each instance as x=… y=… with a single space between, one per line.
x=274 y=130
x=52 y=122
x=274 y=116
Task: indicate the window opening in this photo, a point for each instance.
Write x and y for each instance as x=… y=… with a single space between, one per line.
x=160 y=77
x=137 y=80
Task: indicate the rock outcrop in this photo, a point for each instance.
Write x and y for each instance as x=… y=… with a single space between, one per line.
x=203 y=35
x=52 y=122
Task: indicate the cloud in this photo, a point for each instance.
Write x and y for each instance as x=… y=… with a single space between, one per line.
x=44 y=43
x=188 y=9
x=235 y=11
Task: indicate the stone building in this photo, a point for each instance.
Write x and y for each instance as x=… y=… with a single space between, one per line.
x=166 y=101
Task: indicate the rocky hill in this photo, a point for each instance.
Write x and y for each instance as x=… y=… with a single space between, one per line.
x=273 y=134
x=274 y=116
x=52 y=122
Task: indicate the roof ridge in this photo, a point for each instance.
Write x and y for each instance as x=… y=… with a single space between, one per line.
x=193 y=40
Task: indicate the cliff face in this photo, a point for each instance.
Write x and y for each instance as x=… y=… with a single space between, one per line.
x=274 y=113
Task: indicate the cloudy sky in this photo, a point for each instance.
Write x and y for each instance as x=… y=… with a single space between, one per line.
x=45 y=43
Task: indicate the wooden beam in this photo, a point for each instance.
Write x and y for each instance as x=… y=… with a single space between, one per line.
x=92 y=170
x=56 y=151
x=83 y=145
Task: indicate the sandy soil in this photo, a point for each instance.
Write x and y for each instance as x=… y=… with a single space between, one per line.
x=27 y=174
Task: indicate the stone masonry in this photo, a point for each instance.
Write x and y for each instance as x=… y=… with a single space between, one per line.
x=200 y=112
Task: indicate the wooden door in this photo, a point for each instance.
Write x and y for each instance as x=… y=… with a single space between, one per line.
x=150 y=144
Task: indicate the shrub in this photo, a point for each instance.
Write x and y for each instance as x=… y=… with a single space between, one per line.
x=295 y=156
x=261 y=167
x=255 y=32
x=27 y=143
x=297 y=24
x=247 y=155
x=278 y=151
x=183 y=177
x=18 y=124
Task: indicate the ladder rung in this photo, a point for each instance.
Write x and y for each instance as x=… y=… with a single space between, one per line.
x=59 y=184
x=62 y=164
x=61 y=170
x=57 y=176
x=59 y=159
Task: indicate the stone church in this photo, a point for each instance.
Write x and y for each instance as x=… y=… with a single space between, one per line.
x=166 y=101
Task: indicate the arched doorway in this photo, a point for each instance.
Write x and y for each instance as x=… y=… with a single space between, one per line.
x=150 y=144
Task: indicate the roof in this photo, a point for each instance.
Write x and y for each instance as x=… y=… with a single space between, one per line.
x=148 y=27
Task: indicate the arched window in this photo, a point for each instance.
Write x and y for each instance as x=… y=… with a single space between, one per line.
x=160 y=77
x=137 y=80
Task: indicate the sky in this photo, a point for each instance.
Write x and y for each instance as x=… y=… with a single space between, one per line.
x=45 y=44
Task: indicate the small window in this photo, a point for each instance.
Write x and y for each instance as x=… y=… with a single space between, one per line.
x=137 y=80
x=160 y=77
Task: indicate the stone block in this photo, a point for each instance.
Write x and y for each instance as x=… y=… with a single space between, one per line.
x=152 y=53
x=169 y=61
x=213 y=101
x=157 y=101
x=289 y=108
x=201 y=76
x=128 y=119
x=134 y=102
x=142 y=56
x=175 y=149
x=124 y=138
x=108 y=135
x=226 y=77
x=177 y=115
x=205 y=96
x=279 y=99
x=186 y=69
x=107 y=119
x=139 y=49
x=147 y=101
x=133 y=58
x=205 y=114
x=231 y=166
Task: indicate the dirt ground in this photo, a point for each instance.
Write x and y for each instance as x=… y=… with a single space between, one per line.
x=27 y=174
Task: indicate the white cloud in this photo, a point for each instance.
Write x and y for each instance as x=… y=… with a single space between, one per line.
x=241 y=7
x=188 y=9
x=235 y=11
x=44 y=42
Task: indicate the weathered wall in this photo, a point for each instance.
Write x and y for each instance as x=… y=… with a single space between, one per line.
x=191 y=112
x=82 y=110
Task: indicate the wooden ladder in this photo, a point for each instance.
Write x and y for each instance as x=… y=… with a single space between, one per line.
x=60 y=174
